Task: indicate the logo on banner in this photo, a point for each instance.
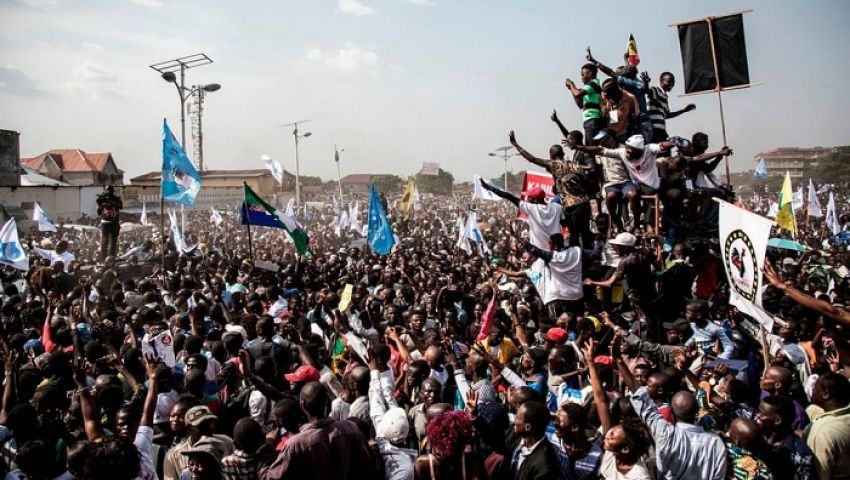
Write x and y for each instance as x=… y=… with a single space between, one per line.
x=741 y=262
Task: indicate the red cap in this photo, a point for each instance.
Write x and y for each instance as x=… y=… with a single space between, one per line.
x=604 y=359
x=535 y=193
x=556 y=334
x=303 y=374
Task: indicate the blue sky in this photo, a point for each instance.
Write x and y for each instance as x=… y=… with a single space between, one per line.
x=394 y=82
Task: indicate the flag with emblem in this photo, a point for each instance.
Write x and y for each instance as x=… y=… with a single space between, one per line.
x=11 y=251
x=256 y=211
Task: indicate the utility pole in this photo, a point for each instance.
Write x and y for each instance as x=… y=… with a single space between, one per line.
x=338 y=177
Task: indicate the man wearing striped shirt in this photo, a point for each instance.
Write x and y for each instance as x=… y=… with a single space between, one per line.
x=659 y=108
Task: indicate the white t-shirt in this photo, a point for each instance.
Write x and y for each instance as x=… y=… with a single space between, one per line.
x=543 y=220
x=560 y=279
x=644 y=170
x=608 y=470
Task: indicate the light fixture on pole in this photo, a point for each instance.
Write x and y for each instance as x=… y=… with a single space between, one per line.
x=297 y=163
x=167 y=71
x=338 y=177
x=505 y=156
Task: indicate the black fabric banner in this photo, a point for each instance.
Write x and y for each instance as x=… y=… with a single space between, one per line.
x=729 y=46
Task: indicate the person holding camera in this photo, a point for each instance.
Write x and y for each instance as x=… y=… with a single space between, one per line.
x=109 y=207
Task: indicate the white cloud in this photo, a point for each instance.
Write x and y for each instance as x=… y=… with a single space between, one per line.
x=14 y=81
x=346 y=59
x=421 y=3
x=91 y=72
x=37 y=3
x=152 y=4
x=353 y=7
x=95 y=47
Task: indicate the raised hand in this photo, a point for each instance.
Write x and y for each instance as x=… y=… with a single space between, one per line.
x=512 y=138
x=151 y=364
x=10 y=360
x=471 y=400
x=554 y=116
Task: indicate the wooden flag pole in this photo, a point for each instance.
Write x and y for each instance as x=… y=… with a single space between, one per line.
x=708 y=21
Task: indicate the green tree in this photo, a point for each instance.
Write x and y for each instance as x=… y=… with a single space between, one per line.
x=514 y=181
x=834 y=167
x=387 y=184
x=439 y=184
x=308 y=181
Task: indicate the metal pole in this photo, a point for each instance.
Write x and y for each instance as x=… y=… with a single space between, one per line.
x=182 y=107
x=338 y=177
x=719 y=96
x=506 y=170
x=297 y=171
x=200 y=94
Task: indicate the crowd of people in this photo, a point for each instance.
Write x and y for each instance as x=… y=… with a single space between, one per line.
x=589 y=336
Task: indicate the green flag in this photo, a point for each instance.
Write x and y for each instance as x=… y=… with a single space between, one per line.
x=255 y=211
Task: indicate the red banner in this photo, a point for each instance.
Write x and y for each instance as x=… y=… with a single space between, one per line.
x=533 y=180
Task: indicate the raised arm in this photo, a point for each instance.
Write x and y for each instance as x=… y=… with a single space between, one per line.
x=824 y=308
x=591 y=149
x=564 y=132
x=11 y=357
x=91 y=414
x=150 y=399
x=531 y=158
x=600 y=400
x=501 y=193
x=604 y=68
x=688 y=108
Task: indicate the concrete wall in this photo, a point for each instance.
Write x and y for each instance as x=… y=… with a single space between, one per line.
x=58 y=202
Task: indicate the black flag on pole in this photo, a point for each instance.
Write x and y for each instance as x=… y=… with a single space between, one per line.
x=730 y=49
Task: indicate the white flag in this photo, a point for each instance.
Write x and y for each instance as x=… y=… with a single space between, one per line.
x=481 y=192
x=797 y=200
x=474 y=233
x=823 y=188
x=774 y=209
x=290 y=208
x=417 y=202
x=176 y=234
x=11 y=251
x=144 y=218
x=274 y=167
x=40 y=216
x=336 y=205
x=343 y=220
x=354 y=217
x=215 y=217
x=743 y=242
x=462 y=238
x=814 y=204
x=831 y=216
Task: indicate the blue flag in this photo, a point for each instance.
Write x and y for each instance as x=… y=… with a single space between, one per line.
x=380 y=232
x=180 y=180
x=761 y=170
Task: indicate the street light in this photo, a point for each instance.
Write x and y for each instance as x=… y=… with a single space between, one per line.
x=168 y=73
x=505 y=156
x=338 y=178
x=297 y=163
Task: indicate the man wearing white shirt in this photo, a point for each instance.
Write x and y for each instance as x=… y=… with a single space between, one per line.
x=61 y=254
x=641 y=162
x=544 y=219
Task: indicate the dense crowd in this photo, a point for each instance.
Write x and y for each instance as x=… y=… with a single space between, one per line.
x=586 y=335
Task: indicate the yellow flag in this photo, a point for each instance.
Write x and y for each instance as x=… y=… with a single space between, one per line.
x=785 y=214
x=407 y=198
